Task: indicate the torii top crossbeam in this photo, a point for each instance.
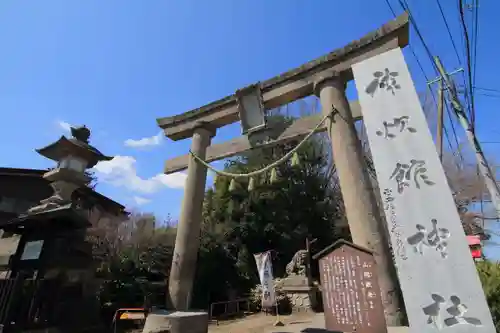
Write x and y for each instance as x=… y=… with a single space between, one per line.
x=294 y=84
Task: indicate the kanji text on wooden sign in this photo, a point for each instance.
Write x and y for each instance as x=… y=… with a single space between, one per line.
x=351 y=294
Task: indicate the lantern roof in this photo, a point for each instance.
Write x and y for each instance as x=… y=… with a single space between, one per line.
x=77 y=146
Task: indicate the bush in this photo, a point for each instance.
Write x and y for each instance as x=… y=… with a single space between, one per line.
x=489 y=273
x=284 y=304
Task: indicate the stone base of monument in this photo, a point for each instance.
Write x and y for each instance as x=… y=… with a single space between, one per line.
x=176 y=322
x=302 y=296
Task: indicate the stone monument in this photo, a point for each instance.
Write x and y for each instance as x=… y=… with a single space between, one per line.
x=297 y=286
x=439 y=281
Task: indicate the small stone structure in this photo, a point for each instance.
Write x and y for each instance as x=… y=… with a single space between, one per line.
x=297 y=286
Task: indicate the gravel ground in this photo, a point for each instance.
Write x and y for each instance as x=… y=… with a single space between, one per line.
x=296 y=323
x=260 y=323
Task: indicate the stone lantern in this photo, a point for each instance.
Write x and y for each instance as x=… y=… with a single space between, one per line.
x=73 y=157
x=53 y=251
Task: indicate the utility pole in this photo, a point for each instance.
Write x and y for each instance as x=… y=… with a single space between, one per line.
x=440 y=125
x=484 y=168
x=440 y=110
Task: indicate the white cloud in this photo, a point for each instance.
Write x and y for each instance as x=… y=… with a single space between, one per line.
x=140 y=200
x=121 y=171
x=64 y=125
x=145 y=142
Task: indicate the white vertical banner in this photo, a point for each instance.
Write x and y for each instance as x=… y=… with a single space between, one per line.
x=265 y=269
x=438 y=278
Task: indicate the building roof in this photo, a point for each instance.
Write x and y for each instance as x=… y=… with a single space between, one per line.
x=337 y=244
x=64 y=146
x=65 y=216
x=87 y=191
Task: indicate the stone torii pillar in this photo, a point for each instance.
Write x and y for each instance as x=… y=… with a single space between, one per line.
x=187 y=241
x=365 y=224
x=178 y=318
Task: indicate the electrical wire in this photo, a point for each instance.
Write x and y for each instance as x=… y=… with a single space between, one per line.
x=449 y=31
x=404 y=4
x=474 y=40
x=459 y=62
x=469 y=64
x=410 y=47
x=445 y=130
x=473 y=26
x=488 y=95
x=471 y=59
x=450 y=119
x=405 y=7
x=488 y=89
x=443 y=16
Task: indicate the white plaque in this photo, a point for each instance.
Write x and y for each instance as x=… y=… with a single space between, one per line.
x=438 y=278
x=32 y=250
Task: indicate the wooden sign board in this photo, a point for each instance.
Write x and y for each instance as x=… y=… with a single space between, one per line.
x=350 y=290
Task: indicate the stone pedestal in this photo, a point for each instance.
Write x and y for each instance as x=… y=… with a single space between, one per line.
x=176 y=322
x=302 y=296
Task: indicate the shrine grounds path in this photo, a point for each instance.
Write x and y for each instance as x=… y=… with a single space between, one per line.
x=295 y=323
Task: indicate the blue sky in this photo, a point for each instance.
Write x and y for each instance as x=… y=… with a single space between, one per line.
x=118 y=65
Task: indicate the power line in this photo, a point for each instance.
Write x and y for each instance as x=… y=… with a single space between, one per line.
x=488 y=89
x=488 y=95
x=449 y=31
x=460 y=63
x=413 y=22
x=468 y=60
x=445 y=130
x=453 y=44
x=475 y=42
x=448 y=112
x=411 y=48
x=404 y=4
x=486 y=171
x=495 y=91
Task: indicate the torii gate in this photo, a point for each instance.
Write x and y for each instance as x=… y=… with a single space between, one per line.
x=326 y=77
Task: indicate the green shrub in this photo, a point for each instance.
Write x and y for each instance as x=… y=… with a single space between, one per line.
x=489 y=273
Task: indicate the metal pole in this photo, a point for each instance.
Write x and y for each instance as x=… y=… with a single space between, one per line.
x=484 y=168
x=440 y=124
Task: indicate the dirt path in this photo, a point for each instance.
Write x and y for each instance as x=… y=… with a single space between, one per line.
x=260 y=323
x=296 y=323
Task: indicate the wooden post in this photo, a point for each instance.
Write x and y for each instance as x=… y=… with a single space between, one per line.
x=309 y=242
x=440 y=124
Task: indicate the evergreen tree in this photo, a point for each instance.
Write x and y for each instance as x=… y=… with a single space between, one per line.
x=276 y=216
